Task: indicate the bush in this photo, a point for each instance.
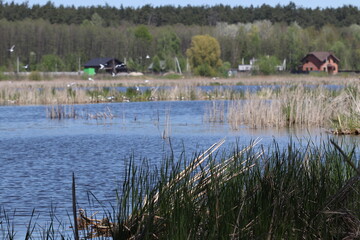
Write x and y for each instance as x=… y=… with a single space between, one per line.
x=267 y=64
x=205 y=70
x=224 y=69
x=35 y=76
x=51 y=63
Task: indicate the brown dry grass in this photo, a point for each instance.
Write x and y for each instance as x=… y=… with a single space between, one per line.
x=57 y=90
x=186 y=81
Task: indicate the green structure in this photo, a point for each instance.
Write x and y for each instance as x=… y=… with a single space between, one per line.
x=89 y=71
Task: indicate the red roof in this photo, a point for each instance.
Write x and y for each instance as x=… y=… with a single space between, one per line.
x=322 y=56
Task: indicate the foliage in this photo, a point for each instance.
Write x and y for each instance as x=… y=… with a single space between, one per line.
x=204 y=55
x=267 y=64
x=143 y=39
x=299 y=191
x=35 y=76
x=168 y=44
x=204 y=70
x=97 y=20
x=172 y=76
x=35 y=38
x=156 y=64
x=51 y=63
x=133 y=66
x=142 y=33
x=131 y=92
x=171 y=15
x=224 y=69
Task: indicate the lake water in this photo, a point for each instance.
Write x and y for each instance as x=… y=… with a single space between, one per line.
x=38 y=155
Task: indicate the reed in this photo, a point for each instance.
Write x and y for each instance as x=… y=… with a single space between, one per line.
x=74 y=89
x=299 y=191
x=52 y=229
x=295 y=192
x=61 y=112
x=296 y=106
x=215 y=113
x=70 y=112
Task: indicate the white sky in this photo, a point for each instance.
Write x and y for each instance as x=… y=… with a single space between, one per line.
x=244 y=3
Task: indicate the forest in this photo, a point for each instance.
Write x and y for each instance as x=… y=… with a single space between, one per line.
x=50 y=38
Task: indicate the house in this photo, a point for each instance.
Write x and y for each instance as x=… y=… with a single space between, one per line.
x=253 y=66
x=247 y=67
x=320 y=61
x=109 y=65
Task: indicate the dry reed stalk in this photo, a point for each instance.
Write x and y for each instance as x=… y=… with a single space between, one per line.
x=26 y=92
x=215 y=113
x=198 y=183
x=219 y=170
x=291 y=107
x=190 y=168
x=186 y=81
x=167 y=128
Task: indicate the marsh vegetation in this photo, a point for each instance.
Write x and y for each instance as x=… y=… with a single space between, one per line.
x=250 y=191
x=246 y=192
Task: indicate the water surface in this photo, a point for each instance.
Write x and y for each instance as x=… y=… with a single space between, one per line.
x=38 y=155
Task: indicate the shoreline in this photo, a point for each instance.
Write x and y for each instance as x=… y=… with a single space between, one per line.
x=149 y=80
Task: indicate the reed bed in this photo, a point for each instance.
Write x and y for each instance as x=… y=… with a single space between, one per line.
x=307 y=191
x=298 y=106
x=297 y=192
x=69 y=112
x=215 y=113
x=77 y=90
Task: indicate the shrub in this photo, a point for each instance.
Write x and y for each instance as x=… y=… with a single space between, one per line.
x=35 y=76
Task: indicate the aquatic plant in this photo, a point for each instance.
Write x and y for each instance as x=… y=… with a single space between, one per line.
x=294 y=106
x=300 y=191
x=215 y=113
x=69 y=111
x=296 y=192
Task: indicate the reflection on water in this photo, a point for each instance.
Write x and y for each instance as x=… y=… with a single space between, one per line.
x=39 y=155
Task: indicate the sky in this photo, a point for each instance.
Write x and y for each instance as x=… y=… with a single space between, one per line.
x=244 y=3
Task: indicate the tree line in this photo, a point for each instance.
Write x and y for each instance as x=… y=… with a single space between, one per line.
x=41 y=45
x=187 y=15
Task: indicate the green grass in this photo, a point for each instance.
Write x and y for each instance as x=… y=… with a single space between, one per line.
x=300 y=191
x=296 y=192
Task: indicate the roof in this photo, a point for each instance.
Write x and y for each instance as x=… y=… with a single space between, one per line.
x=95 y=62
x=321 y=56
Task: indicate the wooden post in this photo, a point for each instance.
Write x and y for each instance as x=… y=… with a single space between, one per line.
x=76 y=230
x=17 y=65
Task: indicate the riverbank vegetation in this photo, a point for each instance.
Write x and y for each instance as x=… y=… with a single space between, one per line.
x=298 y=191
x=276 y=102
x=76 y=90
x=298 y=106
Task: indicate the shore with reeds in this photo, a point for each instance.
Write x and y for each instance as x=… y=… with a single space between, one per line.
x=288 y=102
x=76 y=90
x=296 y=191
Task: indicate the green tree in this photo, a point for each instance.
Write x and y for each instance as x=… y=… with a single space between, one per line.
x=343 y=53
x=51 y=63
x=97 y=20
x=267 y=64
x=204 y=55
x=294 y=45
x=143 y=39
x=142 y=34
x=168 y=44
x=156 y=67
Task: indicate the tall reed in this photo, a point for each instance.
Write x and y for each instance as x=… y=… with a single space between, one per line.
x=294 y=106
x=297 y=192
x=215 y=113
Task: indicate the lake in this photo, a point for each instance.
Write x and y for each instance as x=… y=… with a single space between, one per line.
x=38 y=155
